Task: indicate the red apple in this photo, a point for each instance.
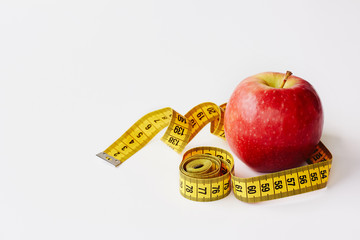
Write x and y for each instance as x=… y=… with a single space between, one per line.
x=273 y=121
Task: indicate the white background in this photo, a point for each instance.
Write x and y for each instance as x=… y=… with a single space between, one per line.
x=76 y=74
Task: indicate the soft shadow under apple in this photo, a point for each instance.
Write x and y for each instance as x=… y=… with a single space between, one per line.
x=344 y=161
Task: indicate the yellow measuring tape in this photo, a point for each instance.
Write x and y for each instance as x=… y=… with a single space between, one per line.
x=207 y=173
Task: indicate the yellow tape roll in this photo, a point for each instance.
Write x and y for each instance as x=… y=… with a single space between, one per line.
x=207 y=173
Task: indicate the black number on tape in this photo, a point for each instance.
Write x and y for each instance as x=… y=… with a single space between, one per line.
x=200 y=115
x=290 y=181
x=278 y=185
x=173 y=141
x=203 y=190
x=265 y=187
x=216 y=189
x=211 y=110
x=251 y=189
x=179 y=130
x=193 y=123
x=317 y=156
x=314 y=176
x=303 y=179
x=181 y=119
x=238 y=188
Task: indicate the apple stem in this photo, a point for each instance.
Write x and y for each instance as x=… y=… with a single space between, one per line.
x=287 y=75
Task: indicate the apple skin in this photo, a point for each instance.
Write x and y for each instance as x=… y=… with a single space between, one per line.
x=271 y=128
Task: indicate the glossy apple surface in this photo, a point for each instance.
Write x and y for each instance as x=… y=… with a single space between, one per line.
x=272 y=128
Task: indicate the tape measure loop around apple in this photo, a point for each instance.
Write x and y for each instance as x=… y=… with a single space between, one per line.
x=207 y=173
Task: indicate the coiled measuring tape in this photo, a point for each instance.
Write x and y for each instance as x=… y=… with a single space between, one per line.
x=207 y=173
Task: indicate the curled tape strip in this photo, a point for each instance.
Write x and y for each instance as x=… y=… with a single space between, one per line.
x=207 y=173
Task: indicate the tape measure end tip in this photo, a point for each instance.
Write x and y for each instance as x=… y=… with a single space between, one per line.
x=109 y=159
